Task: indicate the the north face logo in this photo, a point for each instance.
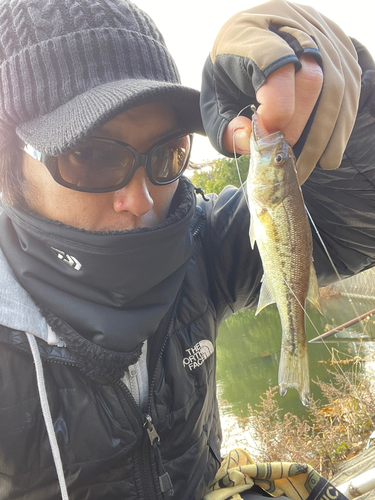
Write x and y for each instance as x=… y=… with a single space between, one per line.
x=198 y=354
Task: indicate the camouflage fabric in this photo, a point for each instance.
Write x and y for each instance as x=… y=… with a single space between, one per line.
x=238 y=473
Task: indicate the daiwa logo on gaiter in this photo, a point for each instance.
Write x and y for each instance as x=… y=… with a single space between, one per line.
x=68 y=259
x=197 y=355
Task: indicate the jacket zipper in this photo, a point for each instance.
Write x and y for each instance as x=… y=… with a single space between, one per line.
x=163 y=478
x=165 y=482
x=198 y=221
x=145 y=459
x=199 y=226
x=146 y=470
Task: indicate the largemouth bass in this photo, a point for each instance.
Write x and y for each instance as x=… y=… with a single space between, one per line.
x=281 y=230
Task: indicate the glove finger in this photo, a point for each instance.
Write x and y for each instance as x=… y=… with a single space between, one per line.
x=329 y=105
x=351 y=72
x=221 y=101
x=335 y=114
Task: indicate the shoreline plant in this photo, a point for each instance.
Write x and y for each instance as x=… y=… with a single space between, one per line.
x=335 y=429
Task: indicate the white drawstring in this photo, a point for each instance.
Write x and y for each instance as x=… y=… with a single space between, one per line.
x=47 y=415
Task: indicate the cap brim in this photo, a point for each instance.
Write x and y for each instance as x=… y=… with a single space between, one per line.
x=60 y=130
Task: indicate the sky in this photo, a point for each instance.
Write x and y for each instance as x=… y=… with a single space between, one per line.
x=190 y=27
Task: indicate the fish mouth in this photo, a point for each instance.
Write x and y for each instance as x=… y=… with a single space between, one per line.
x=265 y=146
x=259 y=131
x=261 y=138
x=267 y=141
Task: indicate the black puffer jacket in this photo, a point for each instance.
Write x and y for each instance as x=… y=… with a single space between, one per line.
x=103 y=437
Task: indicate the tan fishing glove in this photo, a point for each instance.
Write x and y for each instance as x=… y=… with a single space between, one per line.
x=255 y=43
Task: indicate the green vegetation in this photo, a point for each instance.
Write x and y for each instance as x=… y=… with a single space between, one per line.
x=223 y=172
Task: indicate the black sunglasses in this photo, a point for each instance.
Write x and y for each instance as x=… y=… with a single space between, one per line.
x=100 y=165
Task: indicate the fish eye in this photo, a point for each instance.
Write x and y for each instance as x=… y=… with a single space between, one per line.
x=279 y=160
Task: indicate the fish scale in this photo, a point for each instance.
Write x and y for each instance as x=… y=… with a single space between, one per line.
x=281 y=230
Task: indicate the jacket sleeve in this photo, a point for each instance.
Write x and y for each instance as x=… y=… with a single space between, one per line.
x=234 y=269
x=341 y=204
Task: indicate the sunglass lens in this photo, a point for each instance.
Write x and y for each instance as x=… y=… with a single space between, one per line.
x=96 y=165
x=169 y=160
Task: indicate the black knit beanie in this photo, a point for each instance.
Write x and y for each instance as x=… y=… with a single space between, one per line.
x=68 y=66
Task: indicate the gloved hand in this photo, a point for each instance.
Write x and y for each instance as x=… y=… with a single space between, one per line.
x=266 y=44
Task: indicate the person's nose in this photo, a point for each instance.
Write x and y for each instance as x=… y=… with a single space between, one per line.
x=135 y=196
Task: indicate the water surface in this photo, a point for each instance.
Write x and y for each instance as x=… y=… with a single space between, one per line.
x=249 y=349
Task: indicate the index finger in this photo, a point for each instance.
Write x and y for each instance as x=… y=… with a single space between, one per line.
x=288 y=98
x=277 y=99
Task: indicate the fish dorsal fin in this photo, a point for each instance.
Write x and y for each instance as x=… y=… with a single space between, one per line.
x=313 y=292
x=265 y=297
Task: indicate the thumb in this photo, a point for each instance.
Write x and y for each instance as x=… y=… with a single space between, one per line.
x=236 y=138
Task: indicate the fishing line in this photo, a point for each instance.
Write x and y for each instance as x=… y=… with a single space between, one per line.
x=335 y=270
x=323 y=244
x=320 y=239
x=302 y=307
x=248 y=205
x=328 y=255
x=312 y=323
x=342 y=280
x=235 y=157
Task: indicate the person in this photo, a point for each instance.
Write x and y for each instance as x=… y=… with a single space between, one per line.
x=115 y=274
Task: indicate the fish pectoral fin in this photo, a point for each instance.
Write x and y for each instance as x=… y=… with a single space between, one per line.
x=265 y=297
x=252 y=233
x=313 y=292
x=269 y=225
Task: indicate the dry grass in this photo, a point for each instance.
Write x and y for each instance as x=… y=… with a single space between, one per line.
x=331 y=433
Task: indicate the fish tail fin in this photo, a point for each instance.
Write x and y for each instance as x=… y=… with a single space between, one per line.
x=294 y=373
